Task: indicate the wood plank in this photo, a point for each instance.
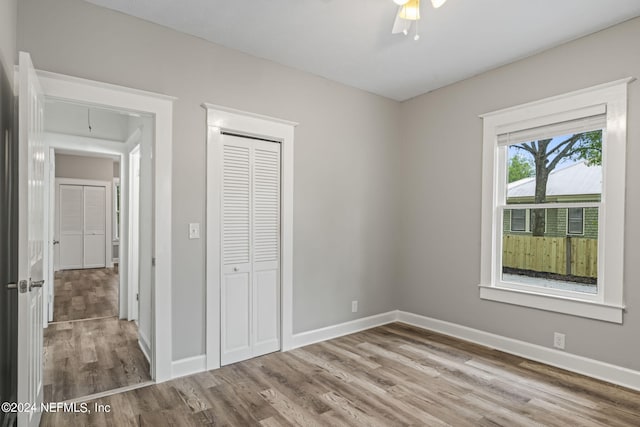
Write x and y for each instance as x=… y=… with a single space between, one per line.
x=393 y=375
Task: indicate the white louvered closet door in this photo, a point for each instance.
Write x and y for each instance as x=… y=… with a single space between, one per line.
x=94 y=227
x=250 y=287
x=71 y=226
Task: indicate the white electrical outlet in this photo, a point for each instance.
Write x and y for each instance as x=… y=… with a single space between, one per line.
x=354 y=306
x=558 y=340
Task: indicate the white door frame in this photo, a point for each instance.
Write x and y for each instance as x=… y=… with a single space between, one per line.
x=250 y=124
x=161 y=107
x=76 y=145
x=108 y=259
x=133 y=238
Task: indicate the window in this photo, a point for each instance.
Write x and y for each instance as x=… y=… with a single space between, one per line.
x=556 y=250
x=575 y=221
x=519 y=220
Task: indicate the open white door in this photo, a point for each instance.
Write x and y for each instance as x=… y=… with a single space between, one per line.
x=30 y=241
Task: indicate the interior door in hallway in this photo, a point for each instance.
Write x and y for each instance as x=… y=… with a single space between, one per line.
x=94 y=227
x=71 y=227
x=250 y=291
x=82 y=226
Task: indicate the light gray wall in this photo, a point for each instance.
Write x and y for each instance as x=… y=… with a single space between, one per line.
x=8 y=17
x=80 y=167
x=345 y=157
x=441 y=201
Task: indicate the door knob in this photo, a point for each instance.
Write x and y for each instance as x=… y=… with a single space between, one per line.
x=36 y=284
x=56 y=242
x=236 y=269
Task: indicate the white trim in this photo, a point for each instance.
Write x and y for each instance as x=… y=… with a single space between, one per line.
x=611 y=216
x=560 y=97
x=580 y=307
x=334 y=331
x=114 y=216
x=161 y=106
x=144 y=347
x=581 y=365
x=256 y=125
x=240 y=113
x=592 y=368
x=188 y=366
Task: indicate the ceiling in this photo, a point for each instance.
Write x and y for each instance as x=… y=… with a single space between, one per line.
x=350 y=41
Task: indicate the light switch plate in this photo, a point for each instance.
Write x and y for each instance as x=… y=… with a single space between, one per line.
x=194 y=230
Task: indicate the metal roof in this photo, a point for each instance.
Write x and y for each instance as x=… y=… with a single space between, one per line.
x=575 y=179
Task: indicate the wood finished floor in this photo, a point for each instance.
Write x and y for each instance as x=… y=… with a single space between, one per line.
x=91 y=356
x=394 y=375
x=85 y=294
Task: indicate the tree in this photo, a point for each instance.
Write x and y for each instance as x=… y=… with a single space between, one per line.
x=547 y=154
x=519 y=167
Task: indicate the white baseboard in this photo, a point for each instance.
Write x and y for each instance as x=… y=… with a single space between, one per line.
x=144 y=346
x=335 y=331
x=188 y=366
x=571 y=362
x=592 y=368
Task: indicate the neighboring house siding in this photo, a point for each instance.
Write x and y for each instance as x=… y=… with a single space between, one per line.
x=556 y=225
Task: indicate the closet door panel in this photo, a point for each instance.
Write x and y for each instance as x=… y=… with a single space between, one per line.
x=266 y=244
x=70 y=221
x=94 y=227
x=235 y=292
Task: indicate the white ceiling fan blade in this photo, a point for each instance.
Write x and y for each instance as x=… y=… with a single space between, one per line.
x=400 y=25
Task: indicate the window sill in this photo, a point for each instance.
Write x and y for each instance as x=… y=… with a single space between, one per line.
x=558 y=304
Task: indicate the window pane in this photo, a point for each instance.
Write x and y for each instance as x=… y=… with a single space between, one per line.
x=518 y=219
x=569 y=171
x=552 y=258
x=575 y=221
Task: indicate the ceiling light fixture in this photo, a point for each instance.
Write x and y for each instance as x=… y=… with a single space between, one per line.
x=409 y=14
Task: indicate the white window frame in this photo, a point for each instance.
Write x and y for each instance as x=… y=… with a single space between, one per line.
x=607 y=304
x=581 y=233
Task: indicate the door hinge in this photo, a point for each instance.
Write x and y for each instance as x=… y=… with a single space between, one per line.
x=153 y=261
x=137 y=297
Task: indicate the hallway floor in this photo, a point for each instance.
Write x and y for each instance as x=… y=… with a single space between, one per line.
x=88 y=349
x=91 y=356
x=85 y=294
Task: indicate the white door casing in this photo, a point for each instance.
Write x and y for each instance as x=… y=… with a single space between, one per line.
x=52 y=247
x=84 y=91
x=30 y=241
x=227 y=120
x=134 y=232
x=250 y=293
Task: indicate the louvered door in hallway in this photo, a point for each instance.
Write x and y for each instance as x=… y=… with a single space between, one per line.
x=250 y=291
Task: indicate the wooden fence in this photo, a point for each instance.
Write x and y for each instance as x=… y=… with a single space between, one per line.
x=550 y=254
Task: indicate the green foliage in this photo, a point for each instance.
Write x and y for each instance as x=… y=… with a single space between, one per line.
x=590 y=148
x=520 y=167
